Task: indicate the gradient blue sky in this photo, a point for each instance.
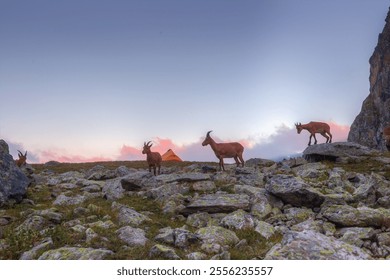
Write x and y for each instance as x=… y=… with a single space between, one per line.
x=87 y=80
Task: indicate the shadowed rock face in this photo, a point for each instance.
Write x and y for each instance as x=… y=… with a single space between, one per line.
x=367 y=128
x=13 y=182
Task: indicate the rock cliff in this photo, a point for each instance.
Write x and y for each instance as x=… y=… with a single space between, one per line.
x=368 y=126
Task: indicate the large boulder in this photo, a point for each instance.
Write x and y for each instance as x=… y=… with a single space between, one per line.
x=294 y=191
x=335 y=151
x=348 y=216
x=312 y=245
x=13 y=182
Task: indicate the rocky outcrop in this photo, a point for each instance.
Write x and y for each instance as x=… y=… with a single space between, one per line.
x=13 y=182
x=368 y=126
x=338 y=151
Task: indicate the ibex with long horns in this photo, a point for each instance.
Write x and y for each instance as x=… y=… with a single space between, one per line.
x=225 y=150
x=313 y=128
x=153 y=158
x=22 y=159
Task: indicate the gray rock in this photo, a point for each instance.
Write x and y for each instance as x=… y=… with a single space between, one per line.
x=238 y=220
x=32 y=254
x=90 y=235
x=217 y=235
x=132 y=236
x=311 y=245
x=114 y=189
x=163 y=252
x=122 y=171
x=184 y=238
x=167 y=190
x=199 y=220
x=166 y=235
x=259 y=162
x=348 y=216
x=100 y=172
x=265 y=230
x=294 y=191
x=73 y=253
x=298 y=215
x=13 y=182
x=189 y=177
x=204 y=186
x=360 y=232
x=315 y=225
x=333 y=151
x=32 y=223
x=196 y=256
x=63 y=200
x=128 y=216
x=51 y=215
x=383 y=239
x=218 y=203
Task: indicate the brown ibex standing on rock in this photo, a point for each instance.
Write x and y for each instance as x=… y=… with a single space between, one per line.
x=22 y=159
x=225 y=150
x=153 y=158
x=313 y=128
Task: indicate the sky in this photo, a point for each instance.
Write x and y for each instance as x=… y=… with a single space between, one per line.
x=92 y=80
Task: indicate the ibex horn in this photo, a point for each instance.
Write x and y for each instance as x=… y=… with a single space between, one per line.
x=148 y=144
x=208 y=133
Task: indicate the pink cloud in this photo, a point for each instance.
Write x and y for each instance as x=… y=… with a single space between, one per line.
x=339 y=131
x=50 y=155
x=130 y=153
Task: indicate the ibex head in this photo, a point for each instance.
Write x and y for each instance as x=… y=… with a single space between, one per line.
x=208 y=139
x=146 y=148
x=298 y=127
x=22 y=159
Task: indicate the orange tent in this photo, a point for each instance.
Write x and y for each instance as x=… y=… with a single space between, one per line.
x=170 y=156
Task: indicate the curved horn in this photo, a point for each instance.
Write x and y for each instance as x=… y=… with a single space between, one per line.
x=25 y=154
x=208 y=133
x=148 y=144
x=20 y=153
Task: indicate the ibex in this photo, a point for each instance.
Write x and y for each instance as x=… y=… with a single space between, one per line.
x=386 y=135
x=22 y=159
x=225 y=150
x=153 y=158
x=315 y=127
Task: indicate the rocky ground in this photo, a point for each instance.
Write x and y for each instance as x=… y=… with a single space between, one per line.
x=334 y=206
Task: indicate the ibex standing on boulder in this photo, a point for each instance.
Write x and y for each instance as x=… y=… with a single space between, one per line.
x=22 y=159
x=225 y=150
x=315 y=127
x=153 y=158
